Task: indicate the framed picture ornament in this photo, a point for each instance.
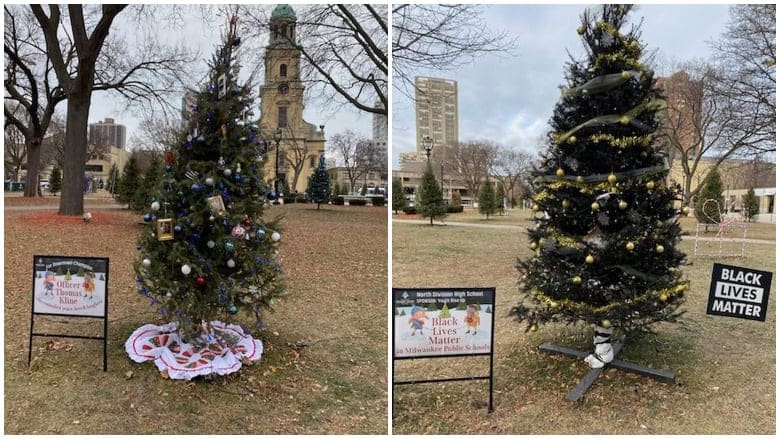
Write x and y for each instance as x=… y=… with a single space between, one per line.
x=165 y=229
x=216 y=204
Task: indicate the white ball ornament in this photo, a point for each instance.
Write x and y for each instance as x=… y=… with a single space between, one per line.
x=210 y=181
x=147 y=262
x=231 y=263
x=210 y=244
x=156 y=206
x=276 y=236
x=227 y=172
x=185 y=269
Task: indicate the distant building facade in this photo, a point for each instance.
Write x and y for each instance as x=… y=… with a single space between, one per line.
x=281 y=106
x=436 y=112
x=107 y=133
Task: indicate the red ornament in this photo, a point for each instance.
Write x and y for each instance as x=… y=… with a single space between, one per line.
x=201 y=281
x=247 y=222
x=168 y=157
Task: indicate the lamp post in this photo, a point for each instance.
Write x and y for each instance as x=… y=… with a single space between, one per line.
x=277 y=139
x=427 y=146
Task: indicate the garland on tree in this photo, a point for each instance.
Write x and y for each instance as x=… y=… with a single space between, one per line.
x=605 y=227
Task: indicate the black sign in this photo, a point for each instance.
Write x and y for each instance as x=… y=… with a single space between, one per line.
x=739 y=292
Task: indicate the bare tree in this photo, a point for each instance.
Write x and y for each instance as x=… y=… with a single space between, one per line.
x=296 y=154
x=472 y=162
x=84 y=60
x=347 y=150
x=31 y=90
x=512 y=165
x=746 y=57
x=440 y=37
x=702 y=122
x=344 y=47
x=15 y=151
x=157 y=133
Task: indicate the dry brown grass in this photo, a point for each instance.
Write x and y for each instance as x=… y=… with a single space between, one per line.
x=336 y=275
x=726 y=366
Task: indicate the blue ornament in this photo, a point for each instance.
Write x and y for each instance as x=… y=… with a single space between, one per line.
x=238 y=178
x=222 y=299
x=147 y=217
x=177 y=228
x=271 y=195
x=168 y=168
x=220 y=186
x=233 y=309
x=229 y=246
x=196 y=235
x=195 y=187
x=260 y=234
x=138 y=247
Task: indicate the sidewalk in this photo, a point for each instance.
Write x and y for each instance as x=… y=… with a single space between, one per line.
x=522 y=228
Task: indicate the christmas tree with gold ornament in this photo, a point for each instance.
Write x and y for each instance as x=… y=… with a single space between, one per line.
x=605 y=224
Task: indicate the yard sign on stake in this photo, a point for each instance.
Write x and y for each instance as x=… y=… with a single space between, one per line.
x=441 y=323
x=739 y=292
x=71 y=286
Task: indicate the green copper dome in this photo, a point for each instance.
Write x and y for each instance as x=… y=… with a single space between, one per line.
x=283 y=11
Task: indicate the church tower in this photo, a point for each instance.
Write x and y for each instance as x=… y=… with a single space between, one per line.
x=281 y=107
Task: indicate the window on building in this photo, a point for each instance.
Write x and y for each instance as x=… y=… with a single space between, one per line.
x=313 y=162
x=94 y=168
x=282 y=117
x=283 y=70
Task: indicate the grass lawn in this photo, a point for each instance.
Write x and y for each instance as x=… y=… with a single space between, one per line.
x=725 y=366
x=335 y=266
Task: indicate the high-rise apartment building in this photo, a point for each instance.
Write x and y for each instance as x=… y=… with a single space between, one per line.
x=436 y=111
x=107 y=133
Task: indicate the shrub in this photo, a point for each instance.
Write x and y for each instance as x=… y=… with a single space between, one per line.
x=301 y=198
x=454 y=209
x=288 y=199
x=410 y=210
x=338 y=201
x=358 y=202
x=378 y=201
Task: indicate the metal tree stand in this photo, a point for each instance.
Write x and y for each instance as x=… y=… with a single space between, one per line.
x=589 y=378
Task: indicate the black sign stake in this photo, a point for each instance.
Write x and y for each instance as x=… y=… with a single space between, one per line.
x=63 y=297
x=450 y=341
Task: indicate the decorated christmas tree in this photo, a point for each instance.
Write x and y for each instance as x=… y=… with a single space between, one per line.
x=319 y=184
x=207 y=253
x=605 y=225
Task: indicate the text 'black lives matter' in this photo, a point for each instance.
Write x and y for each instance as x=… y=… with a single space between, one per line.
x=739 y=292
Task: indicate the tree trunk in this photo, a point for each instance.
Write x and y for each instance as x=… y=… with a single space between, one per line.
x=72 y=200
x=33 y=166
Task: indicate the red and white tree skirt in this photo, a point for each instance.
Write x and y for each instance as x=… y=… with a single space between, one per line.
x=227 y=349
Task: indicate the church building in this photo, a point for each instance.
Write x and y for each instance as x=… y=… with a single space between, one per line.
x=300 y=143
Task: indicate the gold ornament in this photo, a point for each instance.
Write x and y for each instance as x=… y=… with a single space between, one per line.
x=589 y=259
x=580 y=179
x=606 y=324
x=212 y=219
x=625 y=120
x=685 y=210
x=625 y=74
x=560 y=173
x=535 y=207
x=612 y=179
x=576 y=280
x=581 y=30
x=659 y=248
x=534 y=246
x=554 y=305
x=221 y=213
x=622 y=204
x=630 y=246
x=566 y=204
x=534 y=328
x=663 y=297
x=650 y=185
x=572 y=140
x=594 y=206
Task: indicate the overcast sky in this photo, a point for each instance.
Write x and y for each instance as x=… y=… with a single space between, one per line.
x=205 y=36
x=511 y=99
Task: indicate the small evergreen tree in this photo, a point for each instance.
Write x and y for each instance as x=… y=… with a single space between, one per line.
x=487 y=199
x=712 y=189
x=364 y=189
x=461 y=306
x=750 y=204
x=145 y=194
x=399 y=197
x=285 y=188
x=80 y=272
x=319 y=184
x=336 y=191
x=129 y=182
x=499 y=204
x=403 y=313
x=68 y=276
x=113 y=177
x=55 y=180
x=429 y=198
x=489 y=310
x=445 y=312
